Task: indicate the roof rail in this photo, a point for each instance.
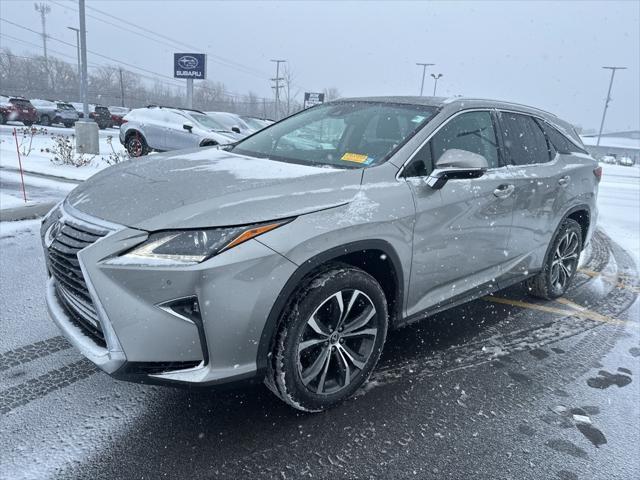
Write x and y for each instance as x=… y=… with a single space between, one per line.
x=515 y=104
x=175 y=108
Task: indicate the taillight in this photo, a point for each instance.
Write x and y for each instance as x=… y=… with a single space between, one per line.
x=598 y=173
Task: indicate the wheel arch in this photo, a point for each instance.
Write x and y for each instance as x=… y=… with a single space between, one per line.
x=372 y=256
x=582 y=215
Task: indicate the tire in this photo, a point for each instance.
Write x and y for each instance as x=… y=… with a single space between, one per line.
x=68 y=125
x=561 y=263
x=27 y=124
x=3 y=119
x=340 y=351
x=136 y=145
x=45 y=121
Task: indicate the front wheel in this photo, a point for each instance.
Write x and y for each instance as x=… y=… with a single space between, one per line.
x=561 y=263
x=136 y=146
x=45 y=121
x=28 y=124
x=330 y=338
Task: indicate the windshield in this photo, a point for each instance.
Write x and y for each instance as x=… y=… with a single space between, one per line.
x=348 y=134
x=227 y=121
x=254 y=123
x=207 y=121
x=65 y=106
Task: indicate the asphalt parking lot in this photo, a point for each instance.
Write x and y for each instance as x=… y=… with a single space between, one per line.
x=504 y=387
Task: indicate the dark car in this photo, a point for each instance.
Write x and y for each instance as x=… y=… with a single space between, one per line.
x=17 y=109
x=102 y=116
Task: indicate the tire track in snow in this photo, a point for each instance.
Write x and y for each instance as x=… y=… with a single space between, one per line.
x=32 y=351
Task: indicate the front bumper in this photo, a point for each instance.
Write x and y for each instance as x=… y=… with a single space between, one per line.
x=144 y=342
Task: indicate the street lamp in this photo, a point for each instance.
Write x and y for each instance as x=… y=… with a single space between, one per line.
x=77 y=30
x=608 y=99
x=424 y=69
x=435 y=83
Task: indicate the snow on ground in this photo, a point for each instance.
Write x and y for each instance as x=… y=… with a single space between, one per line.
x=616 y=142
x=38 y=161
x=11 y=229
x=38 y=189
x=10 y=201
x=619 y=206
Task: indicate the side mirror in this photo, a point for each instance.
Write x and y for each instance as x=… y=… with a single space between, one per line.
x=235 y=129
x=457 y=164
x=188 y=127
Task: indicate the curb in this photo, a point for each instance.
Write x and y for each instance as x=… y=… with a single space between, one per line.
x=42 y=175
x=26 y=213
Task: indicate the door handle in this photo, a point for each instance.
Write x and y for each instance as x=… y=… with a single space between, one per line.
x=564 y=181
x=503 y=191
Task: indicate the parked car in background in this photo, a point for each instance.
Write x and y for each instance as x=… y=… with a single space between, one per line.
x=626 y=161
x=270 y=262
x=165 y=128
x=256 y=123
x=50 y=113
x=232 y=122
x=17 y=109
x=79 y=108
x=608 y=159
x=117 y=114
x=100 y=114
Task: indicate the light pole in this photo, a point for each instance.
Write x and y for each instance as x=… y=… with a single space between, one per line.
x=77 y=30
x=435 y=83
x=424 y=70
x=277 y=87
x=608 y=99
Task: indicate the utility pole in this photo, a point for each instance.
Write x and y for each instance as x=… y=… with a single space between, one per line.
x=608 y=99
x=86 y=128
x=43 y=10
x=77 y=30
x=121 y=88
x=424 y=70
x=435 y=84
x=277 y=87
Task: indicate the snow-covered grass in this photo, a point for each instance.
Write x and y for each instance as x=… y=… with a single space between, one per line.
x=38 y=159
x=10 y=201
x=619 y=206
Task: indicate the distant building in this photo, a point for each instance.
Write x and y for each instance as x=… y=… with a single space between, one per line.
x=617 y=144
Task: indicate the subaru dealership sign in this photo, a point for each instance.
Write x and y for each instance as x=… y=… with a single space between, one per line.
x=189 y=65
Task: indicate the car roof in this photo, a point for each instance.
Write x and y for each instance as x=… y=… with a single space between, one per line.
x=463 y=103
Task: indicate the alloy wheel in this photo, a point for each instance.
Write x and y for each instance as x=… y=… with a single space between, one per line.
x=565 y=260
x=337 y=342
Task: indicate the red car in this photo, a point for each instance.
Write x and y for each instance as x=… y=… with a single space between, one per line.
x=117 y=114
x=17 y=109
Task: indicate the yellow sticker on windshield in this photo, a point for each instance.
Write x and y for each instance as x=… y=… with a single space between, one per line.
x=354 y=157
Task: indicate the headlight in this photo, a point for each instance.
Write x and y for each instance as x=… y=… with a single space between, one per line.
x=189 y=247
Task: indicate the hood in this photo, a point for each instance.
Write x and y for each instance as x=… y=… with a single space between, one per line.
x=207 y=187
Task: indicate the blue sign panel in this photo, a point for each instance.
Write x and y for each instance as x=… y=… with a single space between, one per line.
x=189 y=65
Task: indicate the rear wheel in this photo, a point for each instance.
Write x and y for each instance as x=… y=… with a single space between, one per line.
x=28 y=124
x=561 y=263
x=330 y=338
x=136 y=145
x=44 y=120
x=68 y=124
x=3 y=119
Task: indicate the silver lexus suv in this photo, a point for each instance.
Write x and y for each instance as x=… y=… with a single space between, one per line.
x=287 y=257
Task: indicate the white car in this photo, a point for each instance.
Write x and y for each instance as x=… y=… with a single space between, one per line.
x=165 y=128
x=626 y=161
x=608 y=159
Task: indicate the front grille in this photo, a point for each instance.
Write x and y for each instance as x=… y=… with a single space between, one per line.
x=71 y=288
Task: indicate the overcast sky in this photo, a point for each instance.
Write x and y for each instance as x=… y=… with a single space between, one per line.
x=547 y=55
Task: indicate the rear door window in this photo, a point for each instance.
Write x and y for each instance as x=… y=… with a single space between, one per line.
x=524 y=140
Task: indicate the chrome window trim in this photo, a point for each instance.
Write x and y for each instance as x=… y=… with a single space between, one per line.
x=415 y=152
